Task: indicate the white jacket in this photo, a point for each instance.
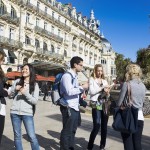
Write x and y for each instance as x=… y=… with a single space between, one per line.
x=94 y=88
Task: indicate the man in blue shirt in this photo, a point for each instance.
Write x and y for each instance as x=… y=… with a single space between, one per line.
x=70 y=89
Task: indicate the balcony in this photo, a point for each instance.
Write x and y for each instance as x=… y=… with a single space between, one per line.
x=87 y=39
x=49 y=53
x=48 y=34
x=6 y=42
x=29 y=26
x=8 y=18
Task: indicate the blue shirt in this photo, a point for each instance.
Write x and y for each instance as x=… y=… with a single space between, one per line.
x=70 y=89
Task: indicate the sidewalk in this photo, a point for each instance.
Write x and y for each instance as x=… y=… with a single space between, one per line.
x=48 y=126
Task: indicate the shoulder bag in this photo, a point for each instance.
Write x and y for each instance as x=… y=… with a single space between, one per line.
x=125 y=117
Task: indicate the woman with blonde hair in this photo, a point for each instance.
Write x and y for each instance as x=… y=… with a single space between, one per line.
x=97 y=84
x=3 y=93
x=133 y=78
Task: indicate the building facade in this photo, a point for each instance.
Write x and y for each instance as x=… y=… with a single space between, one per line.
x=48 y=33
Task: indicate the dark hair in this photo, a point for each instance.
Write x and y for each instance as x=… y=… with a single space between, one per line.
x=2 y=75
x=75 y=60
x=32 y=79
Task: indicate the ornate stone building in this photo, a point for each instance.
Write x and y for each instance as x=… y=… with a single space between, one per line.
x=48 y=33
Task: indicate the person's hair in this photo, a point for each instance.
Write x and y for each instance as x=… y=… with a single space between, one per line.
x=75 y=60
x=2 y=75
x=32 y=78
x=95 y=69
x=133 y=71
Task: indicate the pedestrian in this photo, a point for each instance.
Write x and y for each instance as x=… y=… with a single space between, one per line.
x=45 y=90
x=3 y=93
x=138 y=90
x=26 y=94
x=97 y=84
x=70 y=89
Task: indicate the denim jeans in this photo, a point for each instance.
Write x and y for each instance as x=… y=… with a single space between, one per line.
x=99 y=120
x=70 y=124
x=29 y=126
x=133 y=141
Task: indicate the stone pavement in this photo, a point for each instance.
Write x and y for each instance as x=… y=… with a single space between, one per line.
x=48 y=126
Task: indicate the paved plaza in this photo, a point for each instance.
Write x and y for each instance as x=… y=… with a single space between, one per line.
x=48 y=126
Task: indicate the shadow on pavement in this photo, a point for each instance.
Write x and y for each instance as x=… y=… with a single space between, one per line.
x=7 y=144
x=114 y=135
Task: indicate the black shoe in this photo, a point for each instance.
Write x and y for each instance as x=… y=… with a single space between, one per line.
x=102 y=147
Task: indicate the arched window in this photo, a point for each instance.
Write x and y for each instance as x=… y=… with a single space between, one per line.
x=103 y=61
x=45 y=46
x=25 y=61
x=52 y=49
x=13 y=13
x=65 y=53
x=2 y=8
x=27 y=40
x=9 y=69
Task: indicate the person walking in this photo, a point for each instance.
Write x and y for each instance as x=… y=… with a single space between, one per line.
x=25 y=92
x=97 y=84
x=45 y=90
x=138 y=91
x=3 y=93
x=70 y=90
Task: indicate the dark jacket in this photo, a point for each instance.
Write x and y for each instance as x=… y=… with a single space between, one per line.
x=3 y=93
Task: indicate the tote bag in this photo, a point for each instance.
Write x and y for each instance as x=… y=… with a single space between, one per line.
x=126 y=116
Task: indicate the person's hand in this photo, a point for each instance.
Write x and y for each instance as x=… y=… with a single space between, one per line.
x=22 y=90
x=107 y=89
x=85 y=86
x=18 y=87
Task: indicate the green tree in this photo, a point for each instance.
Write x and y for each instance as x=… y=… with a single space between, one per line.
x=143 y=59
x=121 y=64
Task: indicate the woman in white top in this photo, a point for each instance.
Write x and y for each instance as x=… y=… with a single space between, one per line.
x=97 y=83
x=3 y=93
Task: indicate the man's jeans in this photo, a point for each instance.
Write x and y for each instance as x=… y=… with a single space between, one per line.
x=29 y=126
x=70 y=124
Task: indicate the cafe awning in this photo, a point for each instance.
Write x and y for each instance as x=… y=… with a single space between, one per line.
x=16 y=74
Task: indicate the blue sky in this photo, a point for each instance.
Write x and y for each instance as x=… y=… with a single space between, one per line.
x=125 y=23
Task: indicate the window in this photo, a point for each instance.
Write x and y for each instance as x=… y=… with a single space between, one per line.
x=45 y=25
x=45 y=46
x=38 y=5
x=37 y=21
x=65 y=21
x=13 y=13
x=37 y=43
x=11 y=33
x=103 y=61
x=59 y=18
x=27 y=40
x=27 y=18
x=46 y=10
x=65 y=37
x=58 y=32
x=53 y=14
x=52 y=49
x=1 y=30
x=65 y=53
x=2 y=7
x=52 y=29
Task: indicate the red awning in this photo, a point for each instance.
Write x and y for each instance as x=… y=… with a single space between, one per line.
x=42 y=78
x=15 y=74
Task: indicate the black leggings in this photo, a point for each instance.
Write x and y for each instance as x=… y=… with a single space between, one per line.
x=2 y=122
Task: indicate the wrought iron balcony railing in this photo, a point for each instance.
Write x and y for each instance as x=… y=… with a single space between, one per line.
x=48 y=34
x=10 y=42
